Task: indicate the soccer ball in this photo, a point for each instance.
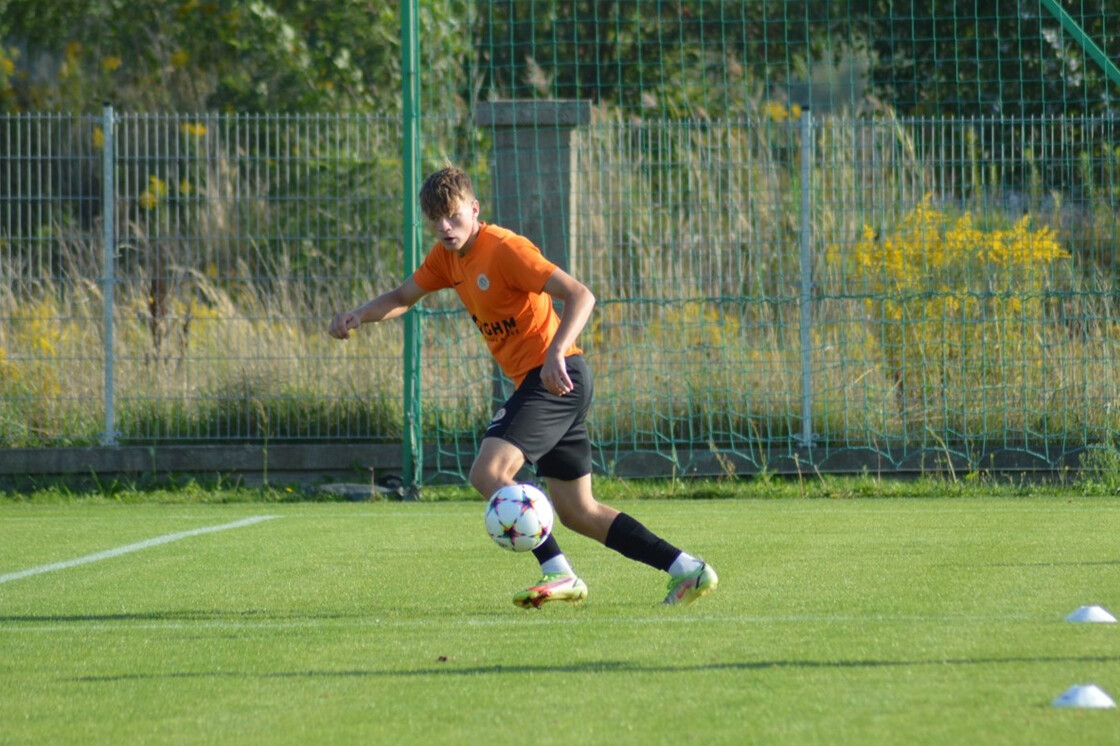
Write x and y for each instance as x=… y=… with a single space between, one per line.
x=519 y=517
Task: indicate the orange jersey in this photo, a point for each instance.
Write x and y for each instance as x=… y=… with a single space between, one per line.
x=501 y=283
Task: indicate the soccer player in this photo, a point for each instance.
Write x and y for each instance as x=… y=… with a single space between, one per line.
x=508 y=288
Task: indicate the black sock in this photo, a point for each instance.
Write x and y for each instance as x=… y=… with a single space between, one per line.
x=631 y=539
x=548 y=549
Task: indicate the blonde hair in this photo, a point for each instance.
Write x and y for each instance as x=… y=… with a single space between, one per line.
x=443 y=191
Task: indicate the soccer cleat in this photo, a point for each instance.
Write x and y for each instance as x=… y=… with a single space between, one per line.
x=552 y=587
x=687 y=588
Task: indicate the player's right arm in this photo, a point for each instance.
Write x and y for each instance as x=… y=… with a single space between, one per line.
x=385 y=306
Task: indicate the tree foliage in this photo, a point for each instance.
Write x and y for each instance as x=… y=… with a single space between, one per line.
x=675 y=57
x=1002 y=57
x=681 y=58
x=206 y=55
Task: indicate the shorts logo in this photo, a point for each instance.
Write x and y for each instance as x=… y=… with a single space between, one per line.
x=483 y=282
x=499 y=414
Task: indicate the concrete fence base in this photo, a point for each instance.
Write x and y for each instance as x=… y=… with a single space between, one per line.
x=378 y=466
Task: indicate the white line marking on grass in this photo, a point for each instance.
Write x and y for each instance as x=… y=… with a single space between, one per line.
x=148 y=543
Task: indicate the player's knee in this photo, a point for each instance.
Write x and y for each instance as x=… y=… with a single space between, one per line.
x=482 y=480
x=487 y=477
x=495 y=466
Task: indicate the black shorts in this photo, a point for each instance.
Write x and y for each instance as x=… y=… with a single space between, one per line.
x=550 y=430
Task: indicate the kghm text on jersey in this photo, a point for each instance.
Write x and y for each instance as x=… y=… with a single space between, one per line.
x=497 y=329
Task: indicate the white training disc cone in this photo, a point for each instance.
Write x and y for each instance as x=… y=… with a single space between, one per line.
x=1084 y=695
x=1091 y=614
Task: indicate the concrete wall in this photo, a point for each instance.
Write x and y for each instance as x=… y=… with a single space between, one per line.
x=533 y=163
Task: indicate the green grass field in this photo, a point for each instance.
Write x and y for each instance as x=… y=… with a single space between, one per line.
x=837 y=621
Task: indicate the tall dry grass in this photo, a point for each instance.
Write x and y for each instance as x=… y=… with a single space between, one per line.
x=695 y=256
x=688 y=232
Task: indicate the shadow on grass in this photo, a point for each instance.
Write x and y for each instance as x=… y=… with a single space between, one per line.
x=591 y=667
x=178 y=616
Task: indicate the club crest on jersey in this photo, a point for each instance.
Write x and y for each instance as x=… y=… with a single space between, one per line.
x=483 y=282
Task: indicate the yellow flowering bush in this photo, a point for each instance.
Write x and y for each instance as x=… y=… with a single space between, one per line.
x=36 y=346
x=9 y=373
x=7 y=65
x=955 y=305
x=37 y=329
x=7 y=73
x=154 y=194
x=776 y=111
x=193 y=129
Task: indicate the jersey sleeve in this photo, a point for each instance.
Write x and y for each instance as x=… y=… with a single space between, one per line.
x=525 y=267
x=432 y=274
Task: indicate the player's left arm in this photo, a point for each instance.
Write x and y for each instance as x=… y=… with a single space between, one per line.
x=578 y=303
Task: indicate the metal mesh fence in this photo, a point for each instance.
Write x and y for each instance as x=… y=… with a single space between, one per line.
x=822 y=236
x=230 y=239
x=706 y=59
x=767 y=288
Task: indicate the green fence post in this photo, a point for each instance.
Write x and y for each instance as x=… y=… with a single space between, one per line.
x=1087 y=44
x=412 y=456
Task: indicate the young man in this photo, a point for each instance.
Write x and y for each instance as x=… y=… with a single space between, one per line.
x=508 y=287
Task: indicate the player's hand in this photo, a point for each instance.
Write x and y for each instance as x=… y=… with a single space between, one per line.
x=343 y=323
x=554 y=376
